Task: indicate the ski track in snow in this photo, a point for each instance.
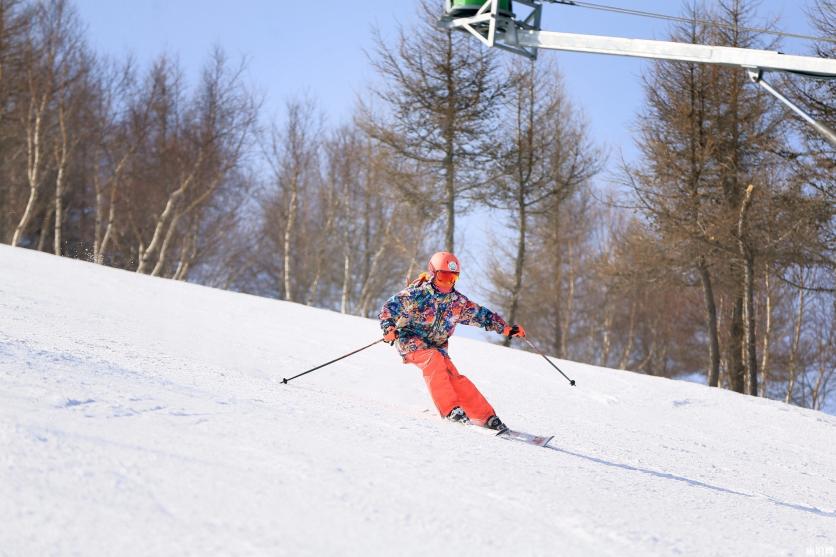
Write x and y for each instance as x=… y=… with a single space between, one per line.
x=141 y=416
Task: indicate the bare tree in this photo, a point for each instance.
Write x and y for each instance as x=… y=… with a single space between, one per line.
x=353 y=234
x=816 y=158
x=544 y=157
x=293 y=155
x=202 y=144
x=16 y=20
x=72 y=102
x=441 y=92
x=705 y=137
x=748 y=258
x=121 y=123
x=43 y=59
x=680 y=151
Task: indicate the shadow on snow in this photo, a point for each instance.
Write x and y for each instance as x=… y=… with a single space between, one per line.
x=695 y=483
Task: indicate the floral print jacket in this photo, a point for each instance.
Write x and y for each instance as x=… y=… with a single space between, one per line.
x=426 y=318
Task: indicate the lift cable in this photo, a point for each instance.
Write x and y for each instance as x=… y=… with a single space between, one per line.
x=654 y=15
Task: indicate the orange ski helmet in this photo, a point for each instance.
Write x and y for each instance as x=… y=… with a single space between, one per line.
x=444 y=261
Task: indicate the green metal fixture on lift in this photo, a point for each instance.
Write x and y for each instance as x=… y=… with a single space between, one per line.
x=469 y=8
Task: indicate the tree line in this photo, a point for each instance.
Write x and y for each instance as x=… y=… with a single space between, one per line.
x=714 y=255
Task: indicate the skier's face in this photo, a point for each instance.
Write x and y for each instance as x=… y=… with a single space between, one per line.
x=444 y=280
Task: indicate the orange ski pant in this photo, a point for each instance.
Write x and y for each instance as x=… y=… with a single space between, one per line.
x=448 y=388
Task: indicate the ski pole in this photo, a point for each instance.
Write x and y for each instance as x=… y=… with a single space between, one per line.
x=531 y=344
x=286 y=379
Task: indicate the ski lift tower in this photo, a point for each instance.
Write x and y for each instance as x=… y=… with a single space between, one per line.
x=494 y=23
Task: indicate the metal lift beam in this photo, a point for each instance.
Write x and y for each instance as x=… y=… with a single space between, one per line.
x=766 y=60
x=525 y=37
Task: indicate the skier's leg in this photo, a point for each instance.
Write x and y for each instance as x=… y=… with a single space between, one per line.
x=437 y=377
x=471 y=400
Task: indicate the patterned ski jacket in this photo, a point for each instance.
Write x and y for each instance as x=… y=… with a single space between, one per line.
x=428 y=317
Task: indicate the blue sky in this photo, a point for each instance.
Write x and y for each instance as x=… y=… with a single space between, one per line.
x=295 y=49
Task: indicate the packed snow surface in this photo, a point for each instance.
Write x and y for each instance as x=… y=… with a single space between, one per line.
x=141 y=416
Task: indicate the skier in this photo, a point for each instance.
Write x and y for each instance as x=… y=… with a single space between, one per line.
x=421 y=318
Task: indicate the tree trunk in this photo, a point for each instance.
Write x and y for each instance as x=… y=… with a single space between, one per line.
x=766 y=334
x=170 y=210
x=794 y=346
x=34 y=148
x=61 y=160
x=725 y=382
x=146 y=253
x=631 y=337
x=288 y=236
x=98 y=212
x=365 y=295
x=188 y=254
x=651 y=354
x=557 y=305
x=450 y=207
x=374 y=262
x=367 y=210
x=347 y=241
x=606 y=334
x=449 y=161
x=346 y=282
x=61 y=155
x=747 y=256
x=27 y=215
x=45 y=228
x=519 y=265
x=320 y=256
x=737 y=368
x=817 y=392
x=711 y=325
x=751 y=339
x=732 y=187
x=166 y=243
x=570 y=297
x=101 y=244
x=59 y=210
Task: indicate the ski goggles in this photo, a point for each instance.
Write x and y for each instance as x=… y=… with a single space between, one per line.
x=446 y=277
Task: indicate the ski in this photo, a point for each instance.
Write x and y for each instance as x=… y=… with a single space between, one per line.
x=512 y=435
x=538 y=440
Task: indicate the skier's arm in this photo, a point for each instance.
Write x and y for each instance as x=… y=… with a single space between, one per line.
x=474 y=314
x=392 y=314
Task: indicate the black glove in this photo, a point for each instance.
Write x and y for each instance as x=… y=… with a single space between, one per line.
x=514 y=331
x=390 y=336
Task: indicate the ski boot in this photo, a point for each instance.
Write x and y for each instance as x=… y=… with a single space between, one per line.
x=496 y=424
x=458 y=415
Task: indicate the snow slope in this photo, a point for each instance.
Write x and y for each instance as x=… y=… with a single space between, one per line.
x=141 y=416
